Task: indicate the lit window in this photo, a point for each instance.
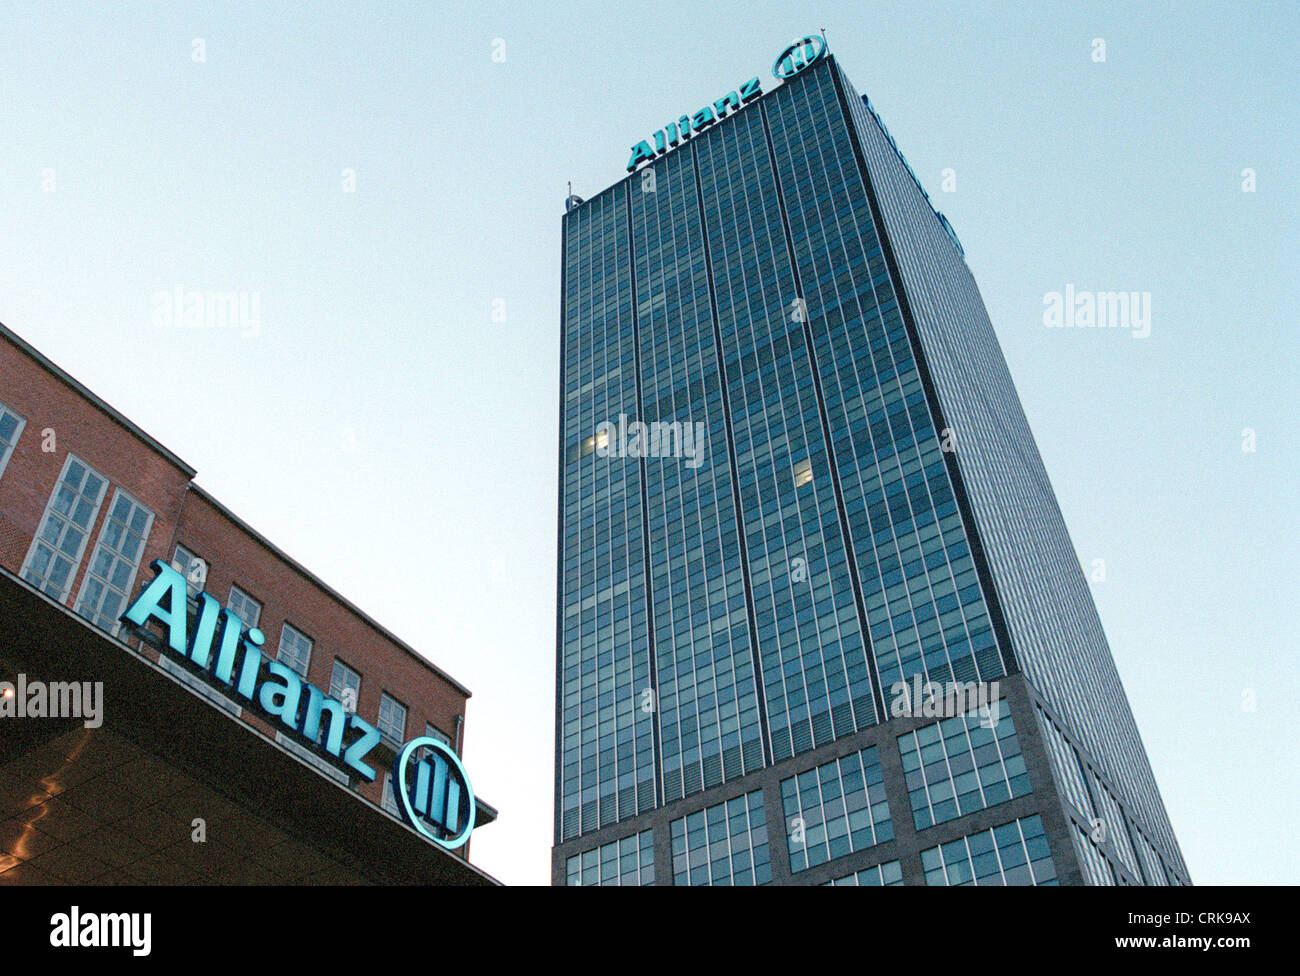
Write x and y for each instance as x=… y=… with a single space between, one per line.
x=392 y=718
x=11 y=428
x=602 y=439
x=803 y=473
x=249 y=611
x=60 y=541
x=295 y=649
x=114 y=562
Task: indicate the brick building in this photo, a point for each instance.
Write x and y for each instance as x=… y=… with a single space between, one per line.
x=88 y=502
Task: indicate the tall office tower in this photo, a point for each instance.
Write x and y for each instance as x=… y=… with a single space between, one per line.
x=801 y=515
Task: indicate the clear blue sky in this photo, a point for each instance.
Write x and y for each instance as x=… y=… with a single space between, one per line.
x=384 y=429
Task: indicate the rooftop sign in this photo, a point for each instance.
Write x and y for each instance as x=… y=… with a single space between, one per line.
x=799 y=56
x=438 y=801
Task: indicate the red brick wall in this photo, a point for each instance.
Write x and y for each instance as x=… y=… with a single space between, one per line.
x=82 y=429
x=234 y=555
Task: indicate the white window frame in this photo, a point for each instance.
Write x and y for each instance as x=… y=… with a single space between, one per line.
x=7 y=448
x=306 y=755
x=38 y=539
x=340 y=663
x=184 y=567
x=406 y=718
x=389 y=800
x=246 y=597
x=101 y=543
x=280 y=655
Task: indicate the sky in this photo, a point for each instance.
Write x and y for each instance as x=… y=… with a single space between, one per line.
x=383 y=185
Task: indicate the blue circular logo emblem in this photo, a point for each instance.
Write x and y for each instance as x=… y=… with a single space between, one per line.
x=433 y=792
x=798 y=56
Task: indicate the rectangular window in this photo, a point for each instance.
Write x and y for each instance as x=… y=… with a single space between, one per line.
x=724 y=844
x=193 y=567
x=392 y=718
x=249 y=611
x=390 y=802
x=114 y=562
x=431 y=731
x=295 y=648
x=345 y=685
x=11 y=428
x=179 y=671
x=60 y=541
x=803 y=473
x=630 y=861
x=307 y=756
x=835 y=809
x=1015 y=853
x=889 y=874
x=960 y=765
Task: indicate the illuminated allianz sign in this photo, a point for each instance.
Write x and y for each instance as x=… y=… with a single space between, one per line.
x=437 y=800
x=678 y=132
x=797 y=57
x=436 y=792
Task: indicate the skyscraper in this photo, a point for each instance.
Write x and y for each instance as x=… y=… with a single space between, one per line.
x=819 y=617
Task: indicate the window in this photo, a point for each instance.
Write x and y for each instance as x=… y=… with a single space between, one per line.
x=803 y=473
x=1016 y=853
x=390 y=802
x=307 y=756
x=249 y=611
x=194 y=568
x=630 y=861
x=60 y=541
x=835 y=809
x=392 y=718
x=178 y=671
x=114 y=562
x=961 y=765
x=432 y=731
x=724 y=844
x=345 y=685
x=295 y=648
x=11 y=428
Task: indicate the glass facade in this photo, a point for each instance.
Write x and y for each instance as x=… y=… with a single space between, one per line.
x=725 y=844
x=961 y=765
x=629 y=861
x=1096 y=869
x=885 y=875
x=767 y=522
x=835 y=809
x=1015 y=853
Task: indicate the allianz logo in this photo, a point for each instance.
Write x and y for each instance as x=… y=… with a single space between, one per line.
x=675 y=133
x=435 y=798
x=796 y=58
